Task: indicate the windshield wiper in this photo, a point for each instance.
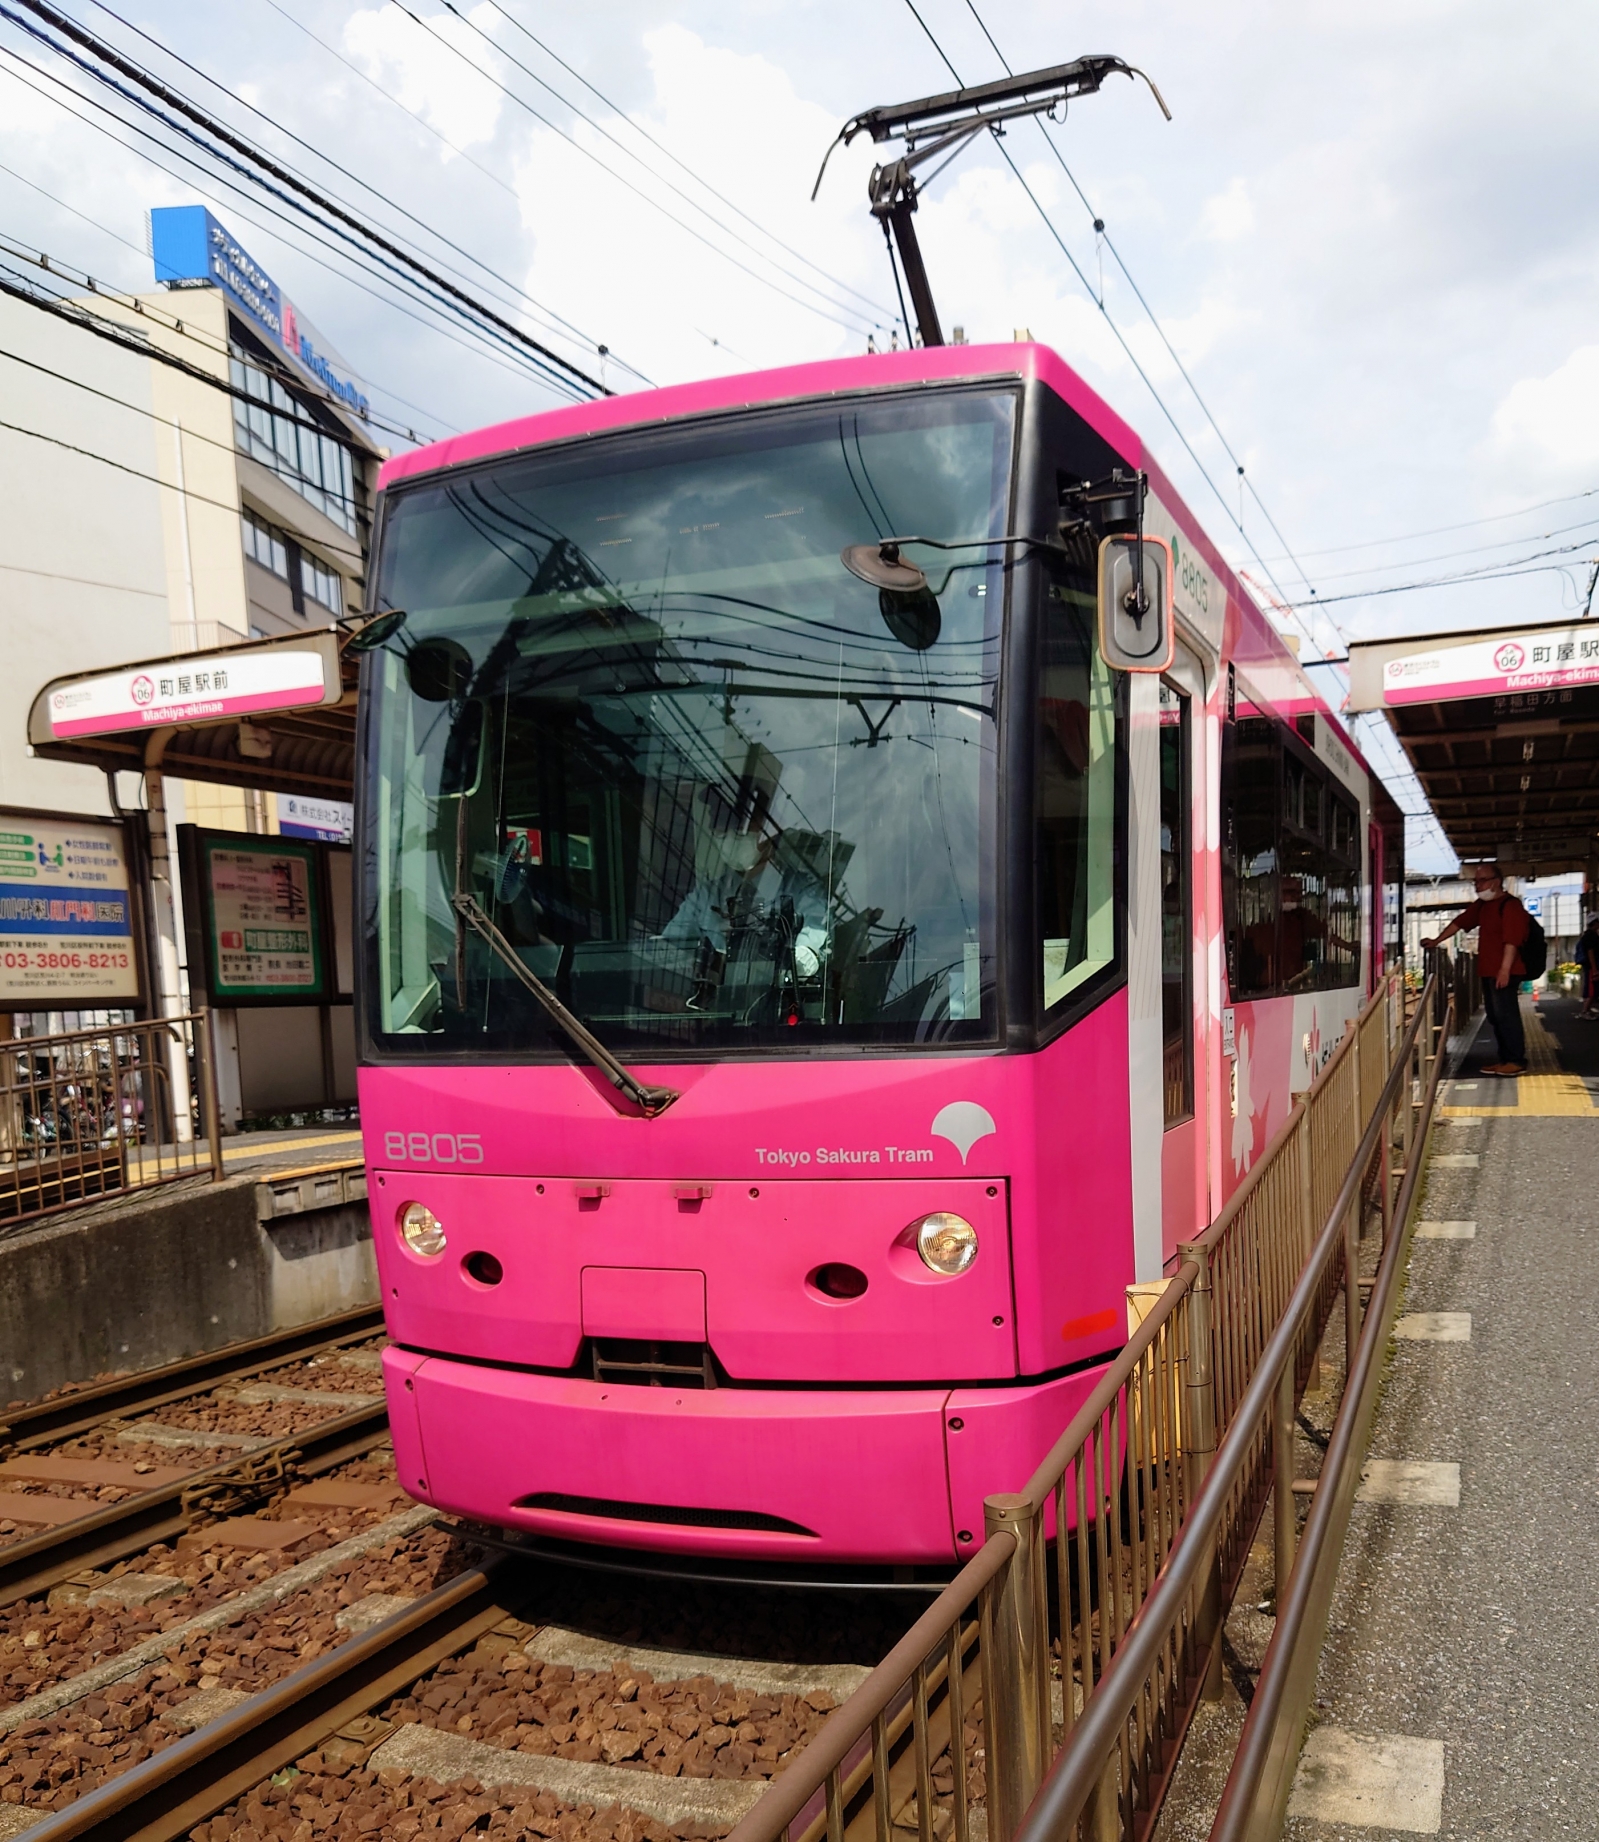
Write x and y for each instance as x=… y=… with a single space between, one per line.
x=651 y=1101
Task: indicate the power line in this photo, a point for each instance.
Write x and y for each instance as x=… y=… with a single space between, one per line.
x=355 y=178
x=460 y=152
x=138 y=409
x=682 y=165
x=132 y=340
x=1101 y=231
x=1442 y=530
x=521 y=102
x=460 y=332
x=1122 y=341
x=138 y=473
x=257 y=158
x=1517 y=566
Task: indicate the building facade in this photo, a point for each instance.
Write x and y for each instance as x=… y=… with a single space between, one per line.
x=162 y=507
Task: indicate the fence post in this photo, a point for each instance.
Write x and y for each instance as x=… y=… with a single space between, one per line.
x=1200 y=1447
x=1307 y=1224
x=1017 y=1721
x=210 y=1101
x=1284 y=1522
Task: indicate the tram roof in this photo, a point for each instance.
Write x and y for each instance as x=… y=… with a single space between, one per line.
x=1242 y=631
x=1501 y=725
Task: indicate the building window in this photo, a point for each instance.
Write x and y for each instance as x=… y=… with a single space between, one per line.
x=318 y=466
x=320 y=583
x=264 y=544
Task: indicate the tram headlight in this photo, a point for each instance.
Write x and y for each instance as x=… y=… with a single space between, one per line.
x=421 y=1230
x=946 y=1242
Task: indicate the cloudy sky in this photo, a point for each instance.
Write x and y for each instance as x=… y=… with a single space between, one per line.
x=1369 y=232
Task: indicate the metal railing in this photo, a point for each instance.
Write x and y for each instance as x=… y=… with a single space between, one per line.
x=1140 y=1518
x=89 y=1113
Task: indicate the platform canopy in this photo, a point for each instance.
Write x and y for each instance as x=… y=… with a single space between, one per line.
x=275 y=714
x=1502 y=728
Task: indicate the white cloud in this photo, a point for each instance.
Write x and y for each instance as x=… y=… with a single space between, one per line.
x=606 y=245
x=457 y=95
x=1228 y=216
x=1551 y=424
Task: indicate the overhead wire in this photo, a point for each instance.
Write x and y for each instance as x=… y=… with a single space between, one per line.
x=683 y=166
x=856 y=324
x=132 y=340
x=1443 y=530
x=105 y=460
x=1295 y=610
x=299 y=193
x=576 y=332
x=1100 y=231
x=461 y=332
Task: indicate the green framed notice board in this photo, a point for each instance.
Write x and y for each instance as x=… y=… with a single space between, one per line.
x=264 y=925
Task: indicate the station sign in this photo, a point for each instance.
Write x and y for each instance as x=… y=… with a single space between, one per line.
x=1539 y=659
x=205 y=687
x=190 y=247
x=66 y=914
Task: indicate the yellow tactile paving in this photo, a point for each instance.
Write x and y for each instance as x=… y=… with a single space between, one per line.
x=1546 y=1090
x=269 y=1148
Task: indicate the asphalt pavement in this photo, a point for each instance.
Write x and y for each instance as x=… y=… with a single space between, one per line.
x=1459 y=1688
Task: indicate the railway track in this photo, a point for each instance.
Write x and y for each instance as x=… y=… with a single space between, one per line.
x=173 y=1790
x=384 y=1667
x=111 y=1532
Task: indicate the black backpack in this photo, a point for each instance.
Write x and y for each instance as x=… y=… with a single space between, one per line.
x=1534 y=950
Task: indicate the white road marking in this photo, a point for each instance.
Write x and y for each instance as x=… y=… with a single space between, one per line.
x=1435 y=1326
x=1371 y=1780
x=1446 y=1231
x=1413 y=1481
x=1455 y=1160
x=1463 y=1087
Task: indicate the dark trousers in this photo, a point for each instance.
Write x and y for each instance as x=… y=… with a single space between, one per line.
x=1504 y=1013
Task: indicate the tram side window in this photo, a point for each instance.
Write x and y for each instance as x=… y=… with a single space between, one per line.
x=1302 y=920
x=1250 y=860
x=1290 y=868
x=1076 y=804
x=1343 y=892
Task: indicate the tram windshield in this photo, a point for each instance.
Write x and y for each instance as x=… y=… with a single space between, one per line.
x=712 y=789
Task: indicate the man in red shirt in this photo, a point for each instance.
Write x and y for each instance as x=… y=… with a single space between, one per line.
x=1501 y=923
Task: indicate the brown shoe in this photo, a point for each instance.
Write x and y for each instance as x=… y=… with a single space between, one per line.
x=1509 y=1069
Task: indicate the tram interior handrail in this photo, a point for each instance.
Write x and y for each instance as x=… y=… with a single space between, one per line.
x=1151 y=1496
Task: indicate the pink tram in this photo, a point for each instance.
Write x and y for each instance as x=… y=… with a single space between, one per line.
x=800 y=995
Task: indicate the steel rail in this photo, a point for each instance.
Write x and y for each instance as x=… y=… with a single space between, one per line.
x=1074 y=1777
x=1275 y=1721
x=164 y=1796
x=116 y=1530
x=24 y=1429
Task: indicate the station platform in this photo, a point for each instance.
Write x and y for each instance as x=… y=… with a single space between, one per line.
x=139 y=1278
x=1456 y=1694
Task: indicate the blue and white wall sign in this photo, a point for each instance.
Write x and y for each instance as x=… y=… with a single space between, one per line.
x=189 y=245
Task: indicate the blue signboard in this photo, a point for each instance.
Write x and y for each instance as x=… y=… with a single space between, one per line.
x=189 y=245
x=66 y=918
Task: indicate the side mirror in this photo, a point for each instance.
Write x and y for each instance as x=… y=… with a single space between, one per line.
x=1136 y=633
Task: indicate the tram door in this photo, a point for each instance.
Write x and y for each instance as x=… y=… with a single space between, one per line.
x=1184 y=1163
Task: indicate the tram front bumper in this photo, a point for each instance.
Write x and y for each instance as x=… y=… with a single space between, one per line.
x=794 y=1474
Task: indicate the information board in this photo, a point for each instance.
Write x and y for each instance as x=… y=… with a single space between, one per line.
x=66 y=914
x=263 y=909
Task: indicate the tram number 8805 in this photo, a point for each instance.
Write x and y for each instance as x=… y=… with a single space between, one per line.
x=433 y=1147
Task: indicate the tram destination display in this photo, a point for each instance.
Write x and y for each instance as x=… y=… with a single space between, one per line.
x=263 y=919
x=66 y=913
